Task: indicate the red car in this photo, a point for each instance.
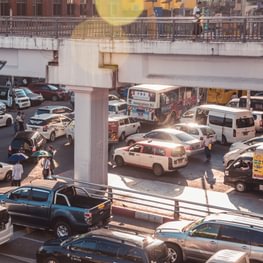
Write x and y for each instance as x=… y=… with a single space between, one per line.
x=49 y=91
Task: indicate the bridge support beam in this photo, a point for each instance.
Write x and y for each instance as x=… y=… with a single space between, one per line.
x=91 y=133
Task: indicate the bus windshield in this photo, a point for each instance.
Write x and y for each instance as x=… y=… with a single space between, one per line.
x=142 y=95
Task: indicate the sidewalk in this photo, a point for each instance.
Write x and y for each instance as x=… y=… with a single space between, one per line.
x=233 y=200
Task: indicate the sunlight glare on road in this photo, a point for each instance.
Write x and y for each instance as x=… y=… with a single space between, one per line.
x=111 y=10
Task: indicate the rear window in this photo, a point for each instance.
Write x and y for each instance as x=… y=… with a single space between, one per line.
x=183 y=137
x=37 y=122
x=245 y=122
x=42 y=111
x=17 y=143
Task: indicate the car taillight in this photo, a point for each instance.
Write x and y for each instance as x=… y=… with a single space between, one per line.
x=234 y=133
x=88 y=217
x=261 y=123
x=34 y=149
x=45 y=128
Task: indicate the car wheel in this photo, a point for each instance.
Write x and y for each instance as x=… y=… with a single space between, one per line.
x=8 y=122
x=52 y=137
x=54 y=98
x=122 y=137
x=130 y=142
x=70 y=140
x=51 y=260
x=8 y=176
x=175 y=253
x=240 y=187
x=62 y=229
x=157 y=169
x=224 y=141
x=119 y=161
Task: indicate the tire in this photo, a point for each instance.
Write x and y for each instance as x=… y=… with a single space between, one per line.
x=62 y=229
x=51 y=260
x=224 y=140
x=119 y=160
x=52 y=137
x=175 y=253
x=130 y=142
x=8 y=176
x=122 y=137
x=54 y=98
x=158 y=169
x=240 y=187
x=8 y=122
x=70 y=140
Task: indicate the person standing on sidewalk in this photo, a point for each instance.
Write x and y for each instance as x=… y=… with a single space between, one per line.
x=17 y=174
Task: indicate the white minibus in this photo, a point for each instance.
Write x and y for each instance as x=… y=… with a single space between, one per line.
x=230 y=124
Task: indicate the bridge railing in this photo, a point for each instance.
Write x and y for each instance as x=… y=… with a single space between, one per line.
x=154 y=204
x=241 y=29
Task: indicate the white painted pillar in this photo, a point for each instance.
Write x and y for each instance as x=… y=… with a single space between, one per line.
x=91 y=135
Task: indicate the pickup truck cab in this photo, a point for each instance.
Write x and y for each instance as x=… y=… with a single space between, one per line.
x=56 y=205
x=239 y=174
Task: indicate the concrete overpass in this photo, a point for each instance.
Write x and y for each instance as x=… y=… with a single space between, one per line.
x=91 y=66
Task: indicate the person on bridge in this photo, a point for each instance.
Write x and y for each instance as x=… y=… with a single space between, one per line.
x=197 y=29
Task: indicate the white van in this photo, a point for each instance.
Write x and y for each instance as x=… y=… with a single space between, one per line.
x=230 y=124
x=21 y=99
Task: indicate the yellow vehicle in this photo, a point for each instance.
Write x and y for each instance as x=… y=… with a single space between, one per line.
x=222 y=96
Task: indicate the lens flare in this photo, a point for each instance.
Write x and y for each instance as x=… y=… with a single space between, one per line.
x=119 y=12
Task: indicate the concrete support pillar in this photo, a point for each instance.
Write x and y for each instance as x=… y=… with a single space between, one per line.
x=91 y=135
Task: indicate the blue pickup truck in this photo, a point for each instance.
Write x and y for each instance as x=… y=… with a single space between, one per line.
x=56 y=205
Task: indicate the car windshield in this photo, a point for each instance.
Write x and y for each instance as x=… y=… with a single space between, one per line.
x=192 y=225
x=27 y=91
x=183 y=137
x=53 y=87
x=20 y=93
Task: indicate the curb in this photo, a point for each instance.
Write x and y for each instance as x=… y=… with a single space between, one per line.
x=130 y=213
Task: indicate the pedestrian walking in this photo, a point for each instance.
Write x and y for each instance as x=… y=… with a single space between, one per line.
x=208 y=147
x=52 y=152
x=17 y=122
x=46 y=167
x=17 y=174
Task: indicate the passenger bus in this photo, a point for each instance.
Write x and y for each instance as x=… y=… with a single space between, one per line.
x=222 y=96
x=160 y=104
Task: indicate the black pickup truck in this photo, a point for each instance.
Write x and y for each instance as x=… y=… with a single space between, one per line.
x=63 y=207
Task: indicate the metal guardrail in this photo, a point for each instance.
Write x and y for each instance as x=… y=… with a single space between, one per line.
x=224 y=29
x=147 y=203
